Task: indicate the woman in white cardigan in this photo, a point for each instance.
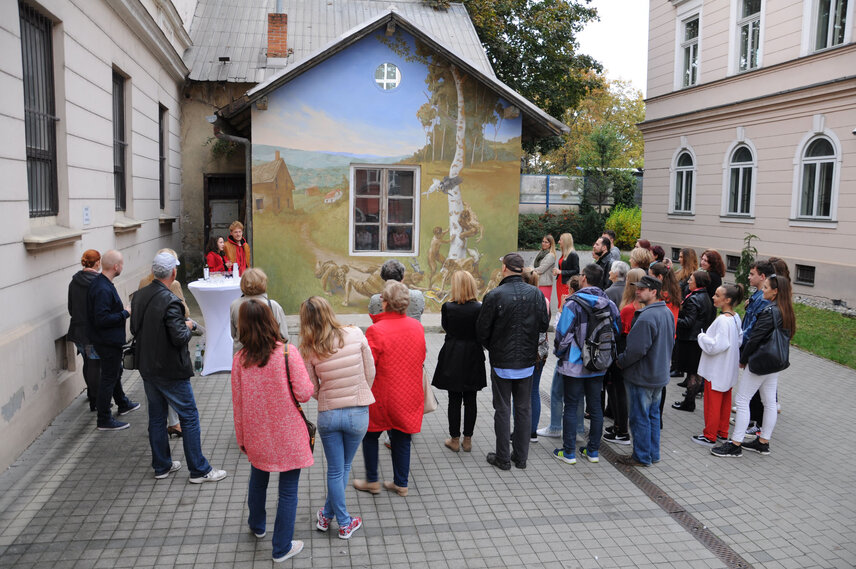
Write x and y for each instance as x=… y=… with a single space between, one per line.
x=341 y=366
x=544 y=263
x=719 y=363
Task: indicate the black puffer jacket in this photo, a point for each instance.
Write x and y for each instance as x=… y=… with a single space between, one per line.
x=696 y=314
x=157 y=323
x=511 y=318
x=78 y=290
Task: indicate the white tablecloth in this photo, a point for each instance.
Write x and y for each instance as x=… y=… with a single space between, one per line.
x=214 y=298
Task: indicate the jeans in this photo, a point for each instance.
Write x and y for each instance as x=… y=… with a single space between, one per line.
x=503 y=391
x=747 y=386
x=643 y=406
x=536 y=395
x=286 y=507
x=341 y=431
x=111 y=382
x=161 y=392
x=557 y=401
x=468 y=398
x=575 y=389
x=400 y=443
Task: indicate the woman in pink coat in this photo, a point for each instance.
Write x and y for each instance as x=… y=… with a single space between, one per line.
x=398 y=347
x=268 y=426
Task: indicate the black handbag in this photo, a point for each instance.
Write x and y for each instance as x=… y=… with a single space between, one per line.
x=772 y=355
x=310 y=426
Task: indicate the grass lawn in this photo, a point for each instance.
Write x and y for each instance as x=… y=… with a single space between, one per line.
x=827 y=334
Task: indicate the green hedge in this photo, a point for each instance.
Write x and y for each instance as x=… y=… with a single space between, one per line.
x=627 y=224
x=532 y=227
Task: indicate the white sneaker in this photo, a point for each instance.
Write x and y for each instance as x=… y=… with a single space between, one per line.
x=296 y=547
x=213 y=476
x=175 y=466
x=548 y=432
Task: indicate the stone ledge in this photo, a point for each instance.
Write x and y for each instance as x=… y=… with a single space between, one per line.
x=164 y=219
x=49 y=236
x=126 y=224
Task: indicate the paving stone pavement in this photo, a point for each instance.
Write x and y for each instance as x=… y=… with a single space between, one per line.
x=82 y=498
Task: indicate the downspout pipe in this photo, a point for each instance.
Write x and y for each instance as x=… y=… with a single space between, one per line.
x=248 y=176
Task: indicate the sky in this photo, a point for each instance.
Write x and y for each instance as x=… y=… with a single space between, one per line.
x=619 y=40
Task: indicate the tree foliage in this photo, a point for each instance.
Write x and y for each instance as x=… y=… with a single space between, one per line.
x=747 y=257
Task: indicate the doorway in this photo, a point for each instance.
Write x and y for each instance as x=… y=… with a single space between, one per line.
x=224 y=203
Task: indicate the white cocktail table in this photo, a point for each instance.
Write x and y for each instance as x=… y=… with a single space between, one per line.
x=214 y=298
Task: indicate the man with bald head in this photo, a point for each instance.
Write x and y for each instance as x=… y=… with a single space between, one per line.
x=106 y=317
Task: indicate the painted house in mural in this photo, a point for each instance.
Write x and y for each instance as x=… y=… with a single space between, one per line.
x=273 y=188
x=398 y=147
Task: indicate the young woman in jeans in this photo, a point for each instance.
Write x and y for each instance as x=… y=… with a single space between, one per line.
x=341 y=367
x=268 y=425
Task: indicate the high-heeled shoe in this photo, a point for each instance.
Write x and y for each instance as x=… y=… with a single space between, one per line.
x=679 y=405
x=174 y=431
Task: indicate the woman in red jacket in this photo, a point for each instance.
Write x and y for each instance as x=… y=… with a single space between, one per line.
x=215 y=254
x=267 y=378
x=398 y=347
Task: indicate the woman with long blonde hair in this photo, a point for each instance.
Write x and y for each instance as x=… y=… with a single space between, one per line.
x=688 y=260
x=341 y=367
x=460 y=365
x=567 y=267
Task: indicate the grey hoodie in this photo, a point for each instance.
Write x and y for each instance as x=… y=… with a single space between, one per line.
x=646 y=359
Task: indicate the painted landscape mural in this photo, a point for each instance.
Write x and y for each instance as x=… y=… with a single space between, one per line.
x=385 y=150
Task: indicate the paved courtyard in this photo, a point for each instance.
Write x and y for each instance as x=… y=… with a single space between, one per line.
x=82 y=498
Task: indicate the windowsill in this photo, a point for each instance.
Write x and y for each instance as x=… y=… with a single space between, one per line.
x=124 y=224
x=734 y=218
x=383 y=254
x=50 y=236
x=819 y=223
x=803 y=283
x=164 y=219
x=682 y=215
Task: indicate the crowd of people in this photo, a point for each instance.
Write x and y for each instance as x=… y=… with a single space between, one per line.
x=622 y=330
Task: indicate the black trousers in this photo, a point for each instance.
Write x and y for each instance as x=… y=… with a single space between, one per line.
x=504 y=391
x=456 y=398
x=617 y=400
x=111 y=382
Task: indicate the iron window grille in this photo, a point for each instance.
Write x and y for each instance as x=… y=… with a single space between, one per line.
x=805 y=275
x=39 y=111
x=731 y=262
x=119 y=142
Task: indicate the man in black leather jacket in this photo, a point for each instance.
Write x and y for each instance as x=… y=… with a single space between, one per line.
x=511 y=318
x=162 y=335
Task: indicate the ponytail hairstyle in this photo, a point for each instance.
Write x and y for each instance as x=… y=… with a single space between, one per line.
x=671 y=292
x=734 y=293
x=780 y=267
x=784 y=302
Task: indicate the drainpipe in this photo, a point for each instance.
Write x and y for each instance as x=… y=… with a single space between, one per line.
x=248 y=167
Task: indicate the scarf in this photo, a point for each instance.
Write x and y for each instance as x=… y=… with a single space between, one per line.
x=540 y=257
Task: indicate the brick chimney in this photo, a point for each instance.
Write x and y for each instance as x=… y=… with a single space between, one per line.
x=277 y=35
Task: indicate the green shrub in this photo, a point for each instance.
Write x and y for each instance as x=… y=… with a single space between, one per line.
x=627 y=224
x=585 y=227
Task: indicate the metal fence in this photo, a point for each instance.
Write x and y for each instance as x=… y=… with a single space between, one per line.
x=554 y=192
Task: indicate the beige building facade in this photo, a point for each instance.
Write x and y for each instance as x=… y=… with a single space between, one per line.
x=751 y=129
x=90 y=159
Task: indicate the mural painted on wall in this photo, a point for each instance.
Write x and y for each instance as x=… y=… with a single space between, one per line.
x=385 y=150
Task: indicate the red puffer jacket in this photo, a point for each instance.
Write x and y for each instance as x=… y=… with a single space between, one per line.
x=398 y=347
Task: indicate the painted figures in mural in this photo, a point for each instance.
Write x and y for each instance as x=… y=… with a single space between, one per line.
x=348 y=187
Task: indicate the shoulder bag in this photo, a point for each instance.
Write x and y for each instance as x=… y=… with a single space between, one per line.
x=430 y=399
x=310 y=426
x=772 y=355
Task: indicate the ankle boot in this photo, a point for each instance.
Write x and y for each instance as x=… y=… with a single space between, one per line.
x=453 y=444
x=467 y=444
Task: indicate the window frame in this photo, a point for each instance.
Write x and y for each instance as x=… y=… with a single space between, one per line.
x=686 y=11
x=120 y=142
x=44 y=112
x=809 y=27
x=383 y=221
x=674 y=172
x=163 y=155
x=740 y=22
x=688 y=64
x=828 y=44
x=728 y=165
x=797 y=218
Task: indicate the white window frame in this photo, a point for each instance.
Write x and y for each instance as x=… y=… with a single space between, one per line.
x=416 y=207
x=799 y=161
x=674 y=170
x=737 y=22
x=686 y=12
x=385 y=84
x=728 y=165
x=809 y=28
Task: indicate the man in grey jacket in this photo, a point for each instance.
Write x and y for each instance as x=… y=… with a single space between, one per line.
x=645 y=362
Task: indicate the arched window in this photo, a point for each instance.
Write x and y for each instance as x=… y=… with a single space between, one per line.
x=683 y=196
x=741 y=169
x=818 y=172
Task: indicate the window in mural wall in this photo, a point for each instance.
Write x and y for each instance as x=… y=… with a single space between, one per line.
x=383 y=214
x=387 y=76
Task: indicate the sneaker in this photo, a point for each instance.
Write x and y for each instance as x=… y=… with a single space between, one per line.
x=533 y=438
x=630 y=460
x=260 y=535
x=175 y=466
x=296 y=547
x=591 y=456
x=113 y=425
x=521 y=464
x=756 y=445
x=703 y=440
x=731 y=421
x=727 y=450
x=132 y=407
x=617 y=439
x=213 y=476
x=492 y=459
x=323 y=523
x=347 y=531
x=734 y=409
x=560 y=455
x=548 y=432
x=609 y=429
x=753 y=431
